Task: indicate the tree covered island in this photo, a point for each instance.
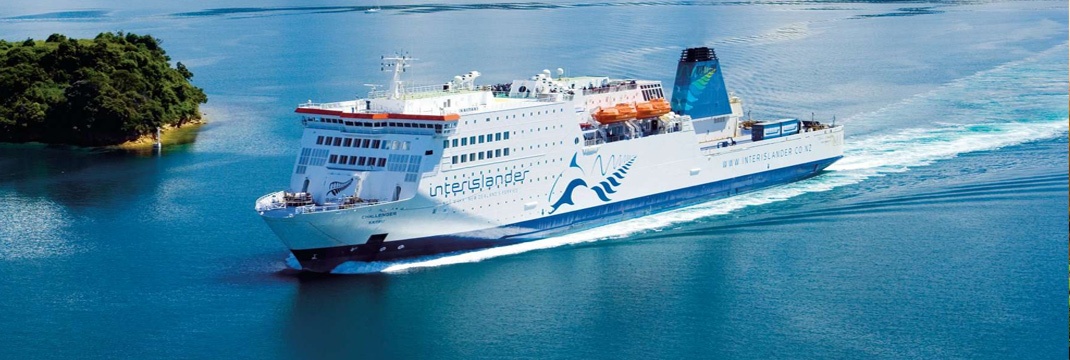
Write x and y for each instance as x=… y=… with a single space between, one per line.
x=103 y=91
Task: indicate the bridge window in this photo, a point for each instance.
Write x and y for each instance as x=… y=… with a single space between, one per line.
x=362 y=161
x=382 y=162
x=454 y=142
x=498 y=137
x=464 y=141
x=506 y=151
x=445 y=144
x=498 y=153
x=334 y=159
x=348 y=143
x=343 y=159
x=337 y=141
x=454 y=159
x=506 y=135
x=480 y=139
x=319 y=140
x=375 y=144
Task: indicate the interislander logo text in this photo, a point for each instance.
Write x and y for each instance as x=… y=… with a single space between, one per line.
x=478 y=183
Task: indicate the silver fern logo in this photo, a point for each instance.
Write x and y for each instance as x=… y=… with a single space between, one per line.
x=338 y=186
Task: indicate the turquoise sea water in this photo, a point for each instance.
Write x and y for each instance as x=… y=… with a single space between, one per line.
x=941 y=234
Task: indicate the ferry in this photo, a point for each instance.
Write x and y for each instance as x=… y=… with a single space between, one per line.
x=418 y=170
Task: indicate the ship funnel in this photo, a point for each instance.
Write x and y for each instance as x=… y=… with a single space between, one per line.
x=699 y=90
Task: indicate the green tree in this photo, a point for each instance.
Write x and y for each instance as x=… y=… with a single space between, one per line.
x=101 y=91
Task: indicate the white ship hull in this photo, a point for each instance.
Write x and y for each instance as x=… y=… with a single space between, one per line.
x=554 y=177
x=502 y=214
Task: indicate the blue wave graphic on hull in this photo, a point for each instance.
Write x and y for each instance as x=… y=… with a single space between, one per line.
x=602 y=189
x=601 y=193
x=607 y=187
x=566 y=198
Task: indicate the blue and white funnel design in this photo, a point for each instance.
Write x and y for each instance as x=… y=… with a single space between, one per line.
x=699 y=90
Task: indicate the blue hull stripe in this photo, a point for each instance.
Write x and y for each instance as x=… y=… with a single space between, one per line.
x=325 y=259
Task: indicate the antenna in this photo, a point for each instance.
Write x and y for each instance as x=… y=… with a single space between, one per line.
x=398 y=63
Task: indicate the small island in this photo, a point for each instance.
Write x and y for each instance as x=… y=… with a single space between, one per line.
x=115 y=88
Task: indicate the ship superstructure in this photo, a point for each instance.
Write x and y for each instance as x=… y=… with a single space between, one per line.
x=412 y=171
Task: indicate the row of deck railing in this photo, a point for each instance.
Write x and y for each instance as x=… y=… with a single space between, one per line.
x=302 y=203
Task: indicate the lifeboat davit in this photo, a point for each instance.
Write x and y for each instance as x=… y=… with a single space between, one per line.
x=615 y=114
x=653 y=108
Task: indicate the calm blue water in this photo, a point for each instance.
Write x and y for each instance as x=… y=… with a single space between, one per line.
x=942 y=234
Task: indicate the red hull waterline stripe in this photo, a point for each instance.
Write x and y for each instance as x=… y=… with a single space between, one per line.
x=339 y=113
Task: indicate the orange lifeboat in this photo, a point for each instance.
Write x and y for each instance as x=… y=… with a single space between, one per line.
x=615 y=114
x=653 y=108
